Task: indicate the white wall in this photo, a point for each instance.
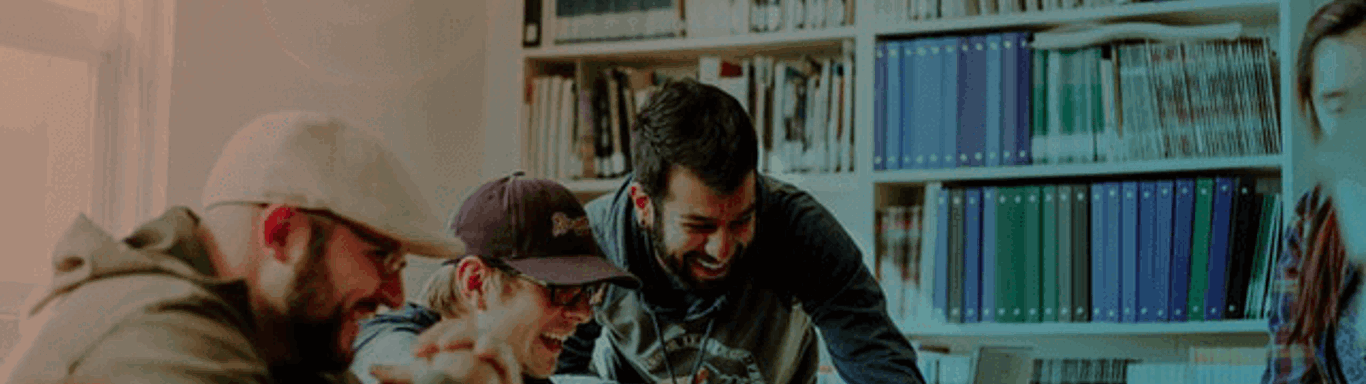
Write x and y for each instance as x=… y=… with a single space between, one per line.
x=410 y=70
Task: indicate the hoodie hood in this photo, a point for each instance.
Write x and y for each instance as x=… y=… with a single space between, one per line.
x=412 y=317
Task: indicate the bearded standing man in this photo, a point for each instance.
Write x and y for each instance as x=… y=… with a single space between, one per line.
x=738 y=268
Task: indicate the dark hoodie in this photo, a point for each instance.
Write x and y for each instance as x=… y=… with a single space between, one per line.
x=801 y=269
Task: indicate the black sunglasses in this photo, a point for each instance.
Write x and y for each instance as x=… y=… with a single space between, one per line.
x=560 y=295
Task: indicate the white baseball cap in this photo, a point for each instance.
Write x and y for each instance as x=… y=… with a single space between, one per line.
x=315 y=161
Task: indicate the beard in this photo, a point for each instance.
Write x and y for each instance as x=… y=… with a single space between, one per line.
x=676 y=266
x=315 y=342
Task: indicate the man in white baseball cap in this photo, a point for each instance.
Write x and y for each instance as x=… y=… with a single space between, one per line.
x=305 y=226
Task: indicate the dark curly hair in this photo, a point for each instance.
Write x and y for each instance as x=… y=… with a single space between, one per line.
x=693 y=126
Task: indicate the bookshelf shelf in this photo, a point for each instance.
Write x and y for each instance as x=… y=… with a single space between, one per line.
x=1089 y=329
x=592 y=186
x=1249 y=12
x=1269 y=164
x=821 y=182
x=683 y=49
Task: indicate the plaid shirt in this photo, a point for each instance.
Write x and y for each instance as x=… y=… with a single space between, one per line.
x=1297 y=362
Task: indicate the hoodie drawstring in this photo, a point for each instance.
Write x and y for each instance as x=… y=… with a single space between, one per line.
x=702 y=349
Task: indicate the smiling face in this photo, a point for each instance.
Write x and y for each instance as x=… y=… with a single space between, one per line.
x=340 y=282
x=522 y=313
x=699 y=234
x=549 y=325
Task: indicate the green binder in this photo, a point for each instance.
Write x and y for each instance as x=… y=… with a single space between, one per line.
x=1007 y=273
x=1064 y=265
x=1032 y=239
x=1200 y=238
x=1049 y=265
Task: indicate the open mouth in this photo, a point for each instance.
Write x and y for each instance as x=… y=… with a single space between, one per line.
x=707 y=269
x=553 y=343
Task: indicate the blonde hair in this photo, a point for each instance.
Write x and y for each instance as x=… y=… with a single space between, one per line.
x=441 y=293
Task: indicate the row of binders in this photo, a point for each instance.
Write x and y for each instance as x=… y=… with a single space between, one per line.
x=958 y=369
x=991 y=100
x=1178 y=250
x=901 y=11
x=1206 y=365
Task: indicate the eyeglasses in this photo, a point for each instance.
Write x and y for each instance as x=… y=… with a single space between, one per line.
x=386 y=253
x=561 y=295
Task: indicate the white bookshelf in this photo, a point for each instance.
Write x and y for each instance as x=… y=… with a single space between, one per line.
x=592 y=186
x=853 y=197
x=1249 y=12
x=690 y=48
x=1250 y=327
x=1265 y=164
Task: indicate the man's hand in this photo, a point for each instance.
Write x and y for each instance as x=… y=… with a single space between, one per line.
x=457 y=351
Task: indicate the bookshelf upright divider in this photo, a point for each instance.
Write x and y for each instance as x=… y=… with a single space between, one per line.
x=857 y=197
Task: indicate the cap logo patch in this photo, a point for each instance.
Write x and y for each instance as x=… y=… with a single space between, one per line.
x=563 y=225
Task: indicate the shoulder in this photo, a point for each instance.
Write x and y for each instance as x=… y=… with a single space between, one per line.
x=602 y=208
x=108 y=298
x=610 y=217
x=96 y=274
x=188 y=342
x=785 y=208
x=103 y=327
x=405 y=322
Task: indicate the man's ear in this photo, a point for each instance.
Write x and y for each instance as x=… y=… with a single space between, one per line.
x=284 y=233
x=641 y=203
x=472 y=277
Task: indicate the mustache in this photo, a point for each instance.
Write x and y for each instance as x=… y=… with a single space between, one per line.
x=735 y=256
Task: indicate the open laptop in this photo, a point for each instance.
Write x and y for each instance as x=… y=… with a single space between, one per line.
x=1002 y=365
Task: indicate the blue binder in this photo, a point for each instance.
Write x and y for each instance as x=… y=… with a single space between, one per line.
x=1023 y=90
x=879 y=105
x=1010 y=115
x=995 y=105
x=892 y=143
x=954 y=50
x=928 y=115
x=1099 y=235
x=972 y=107
x=1183 y=217
x=1128 y=268
x=1147 y=239
x=910 y=102
x=1162 y=265
x=941 y=255
x=1220 y=224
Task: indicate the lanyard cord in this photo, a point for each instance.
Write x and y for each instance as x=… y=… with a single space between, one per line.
x=701 y=354
x=702 y=350
x=663 y=344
